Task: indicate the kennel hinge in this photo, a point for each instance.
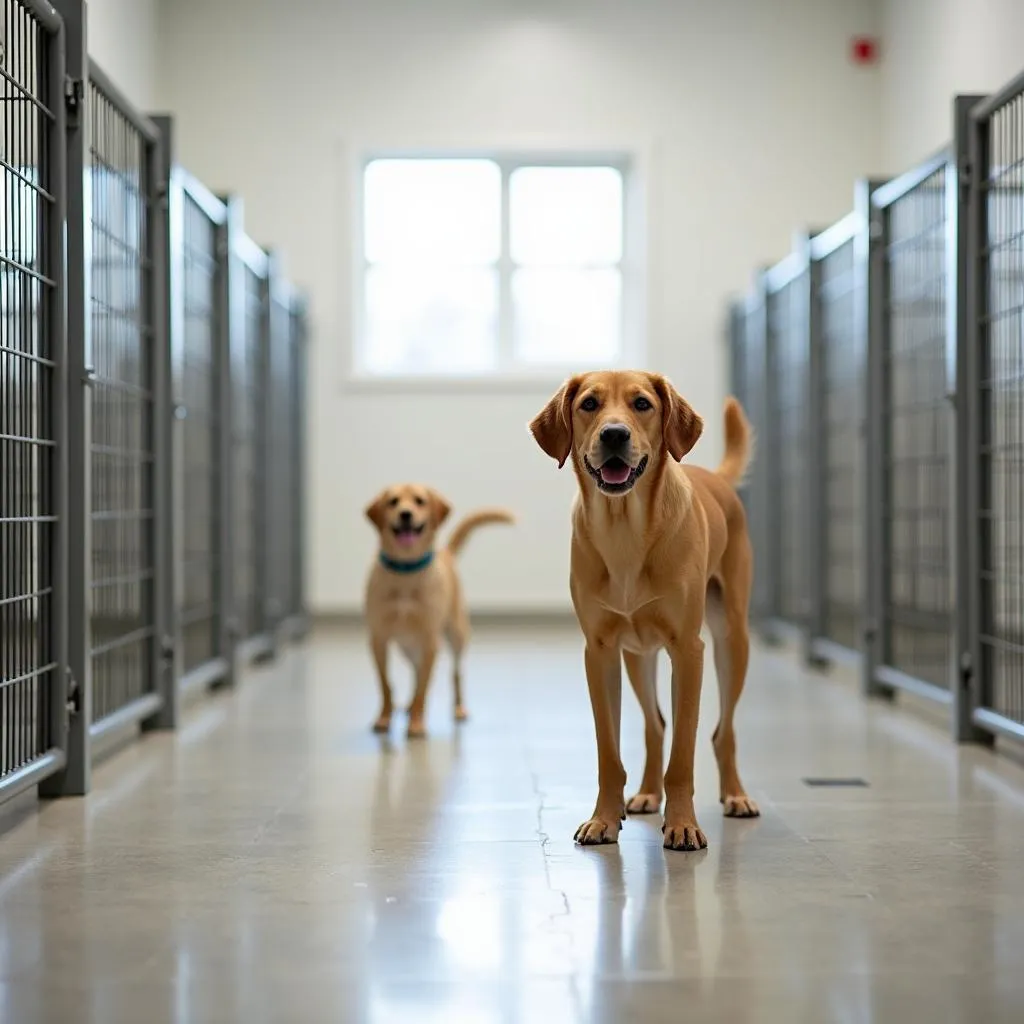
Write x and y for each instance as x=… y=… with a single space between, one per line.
x=74 y=95
x=73 y=698
x=966 y=667
x=965 y=178
x=168 y=648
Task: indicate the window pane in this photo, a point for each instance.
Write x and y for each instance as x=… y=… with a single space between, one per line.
x=565 y=316
x=440 y=211
x=423 y=320
x=565 y=215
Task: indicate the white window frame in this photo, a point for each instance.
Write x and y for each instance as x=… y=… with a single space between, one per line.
x=508 y=369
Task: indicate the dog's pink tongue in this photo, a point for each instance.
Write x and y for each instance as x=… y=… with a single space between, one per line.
x=405 y=538
x=617 y=474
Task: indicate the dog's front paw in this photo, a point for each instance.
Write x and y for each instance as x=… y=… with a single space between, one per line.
x=684 y=836
x=644 y=803
x=596 y=831
x=461 y=714
x=417 y=729
x=382 y=723
x=740 y=807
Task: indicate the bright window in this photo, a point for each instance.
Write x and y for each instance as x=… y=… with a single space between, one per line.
x=478 y=266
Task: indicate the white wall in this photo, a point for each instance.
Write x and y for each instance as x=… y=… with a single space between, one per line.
x=123 y=41
x=933 y=50
x=731 y=106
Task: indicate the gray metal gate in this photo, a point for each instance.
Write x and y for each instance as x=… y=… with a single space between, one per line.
x=250 y=304
x=126 y=412
x=200 y=357
x=991 y=481
x=33 y=428
x=838 y=394
x=284 y=452
x=299 y=329
x=912 y=453
x=753 y=358
x=788 y=434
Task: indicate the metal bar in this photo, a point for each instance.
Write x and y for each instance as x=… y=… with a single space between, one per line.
x=56 y=245
x=75 y=778
x=255 y=649
x=40 y=771
x=829 y=651
x=48 y=16
x=205 y=676
x=983 y=107
x=893 y=679
x=817 y=498
x=208 y=201
x=966 y=233
x=300 y=405
x=166 y=612
x=896 y=188
x=995 y=724
x=135 y=713
x=142 y=124
x=875 y=302
x=225 y=341
x=836 y=235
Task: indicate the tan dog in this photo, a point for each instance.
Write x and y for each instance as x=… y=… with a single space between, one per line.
x=657 y=550
x=413 y=596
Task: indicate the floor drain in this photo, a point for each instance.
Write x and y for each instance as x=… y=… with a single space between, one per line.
x=835 y=782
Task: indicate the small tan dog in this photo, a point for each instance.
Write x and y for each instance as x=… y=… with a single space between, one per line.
x=413 y=596
x=657 y=550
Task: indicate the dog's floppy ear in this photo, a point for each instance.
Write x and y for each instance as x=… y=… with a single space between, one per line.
x=377 y=509
x=681 y=427
x=552 y=426
x=440 y=507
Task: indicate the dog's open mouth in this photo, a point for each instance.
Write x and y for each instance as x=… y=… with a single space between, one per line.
x=407 y=535
x=615 y=475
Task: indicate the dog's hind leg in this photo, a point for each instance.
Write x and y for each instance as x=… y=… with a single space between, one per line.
x=726 y=617
x=642 y=670
x=457 y=635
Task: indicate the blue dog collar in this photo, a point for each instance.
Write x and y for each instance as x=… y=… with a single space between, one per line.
x=393 y=565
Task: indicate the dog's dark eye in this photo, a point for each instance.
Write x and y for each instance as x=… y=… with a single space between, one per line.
x=642 y=404
x=589 y=404
x=392 y=502
x=419 y=501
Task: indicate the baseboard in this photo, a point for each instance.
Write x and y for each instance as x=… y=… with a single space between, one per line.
x=559 y=617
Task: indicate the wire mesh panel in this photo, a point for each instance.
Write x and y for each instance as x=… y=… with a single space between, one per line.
x=198 y=370
x=788 y=412
x=841 y=380
x=32 y=355
x=122 y=607
x=915 y=521
x=249 y=383
x=998 y=338
x=281 y=471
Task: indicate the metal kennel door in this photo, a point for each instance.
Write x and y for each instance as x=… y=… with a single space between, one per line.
x=201 y=371
x=912 y=453
x=250 y=304
x=126 y=634
x=838 y=499
x=788 y=415
x=991 y=483
x=33 y=404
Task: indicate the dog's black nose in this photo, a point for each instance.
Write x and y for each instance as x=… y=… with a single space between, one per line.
x=615 y=435
x=405 y=516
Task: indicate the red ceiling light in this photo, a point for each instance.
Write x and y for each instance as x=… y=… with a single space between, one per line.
x=864 y=50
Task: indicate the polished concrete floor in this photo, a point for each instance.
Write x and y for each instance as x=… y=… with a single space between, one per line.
x=275 y=862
